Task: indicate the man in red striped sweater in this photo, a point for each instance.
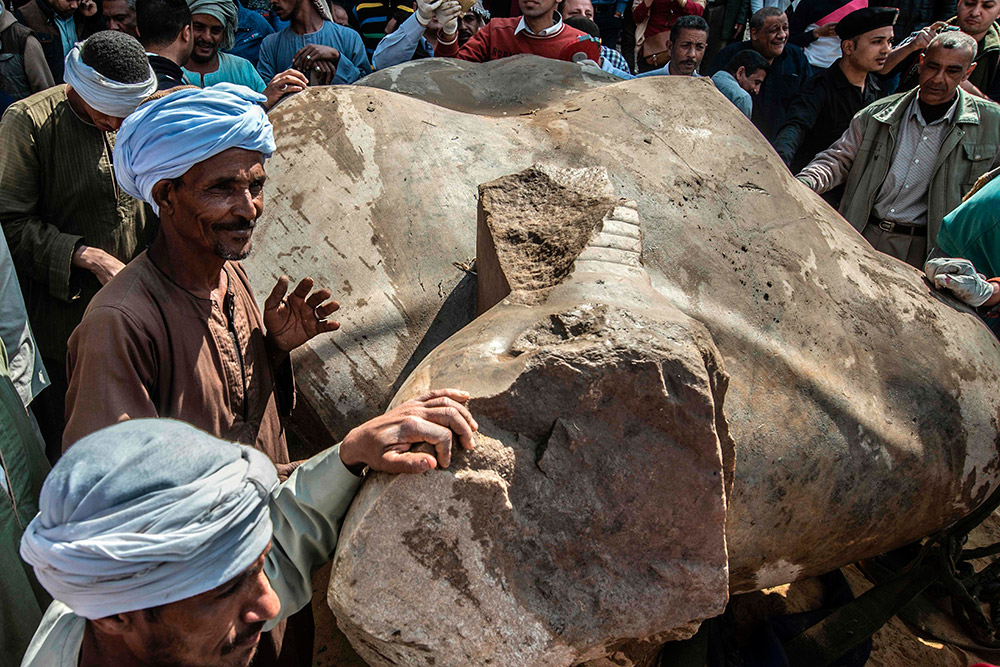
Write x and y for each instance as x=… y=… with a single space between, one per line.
x=540 y=30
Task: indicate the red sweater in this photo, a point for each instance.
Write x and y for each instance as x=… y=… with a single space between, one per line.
x=663 y=14
x=497 y=40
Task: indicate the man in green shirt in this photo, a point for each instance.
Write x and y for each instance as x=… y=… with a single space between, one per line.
x=69 y=226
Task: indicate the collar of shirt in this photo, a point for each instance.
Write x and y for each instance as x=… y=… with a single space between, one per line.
x=548 y=32
x=914 y=112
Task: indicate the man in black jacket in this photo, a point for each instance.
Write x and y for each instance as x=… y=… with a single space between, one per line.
x=823 y=108
x=165 y=33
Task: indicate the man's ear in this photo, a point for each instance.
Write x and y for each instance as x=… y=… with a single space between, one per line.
x=741 y=73
x=164 y=194
x=185 y=34
x=968 y=72
x=117 y=625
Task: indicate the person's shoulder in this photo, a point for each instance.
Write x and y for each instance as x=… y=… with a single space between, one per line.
x=341 y=32
x=235 y=63
x=507 y=23
x=39 y=109
x=132 y=294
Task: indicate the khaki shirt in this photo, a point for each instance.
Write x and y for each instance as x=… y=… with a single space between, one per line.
x=149 y=348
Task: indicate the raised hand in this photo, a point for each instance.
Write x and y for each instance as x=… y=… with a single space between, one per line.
x=292 y=321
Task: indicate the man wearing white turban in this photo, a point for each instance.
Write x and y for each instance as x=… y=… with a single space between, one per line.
x=162 y=545
x=69 y=226
x=178 y=332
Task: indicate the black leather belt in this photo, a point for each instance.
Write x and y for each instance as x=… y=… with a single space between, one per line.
x=900 y=228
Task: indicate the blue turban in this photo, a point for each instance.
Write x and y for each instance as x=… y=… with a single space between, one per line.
x=166 y=137
x=148 y=512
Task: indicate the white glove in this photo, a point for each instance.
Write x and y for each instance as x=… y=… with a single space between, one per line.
x=959 y=277
x=426 y=10
x=447 y=15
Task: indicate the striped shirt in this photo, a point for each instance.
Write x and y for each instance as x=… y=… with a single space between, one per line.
x=903 y=195
x=57 y=188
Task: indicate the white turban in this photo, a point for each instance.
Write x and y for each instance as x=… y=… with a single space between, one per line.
x=148 y=512
x=166 y=137
x=106 y=95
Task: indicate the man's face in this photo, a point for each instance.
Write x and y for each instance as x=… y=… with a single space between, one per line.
x=686 y=53
x=339 y=15
x=941 y=72
x=65 y=8
x=468 y=26
x=207 y=37
x=217 y=203
x=975 y=17
x=770 y=40
x=871 y=50
x=578 y=8
x=750 y=83
x=534 y=9
x=219 y=628
x=285 y=9
x=119 y=16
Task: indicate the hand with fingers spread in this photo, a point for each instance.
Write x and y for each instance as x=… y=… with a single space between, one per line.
x=413 y=437
x=292 y=321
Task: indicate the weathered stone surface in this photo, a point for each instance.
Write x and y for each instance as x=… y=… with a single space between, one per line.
x=863 y=404
x=564 y=533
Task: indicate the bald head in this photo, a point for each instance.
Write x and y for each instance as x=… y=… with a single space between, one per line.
x=955 y=41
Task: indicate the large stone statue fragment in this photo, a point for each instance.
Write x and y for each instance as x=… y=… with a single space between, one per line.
x=594 y=510
x=862 y=405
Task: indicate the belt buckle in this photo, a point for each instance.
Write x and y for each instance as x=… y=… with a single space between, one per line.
x=886 y=226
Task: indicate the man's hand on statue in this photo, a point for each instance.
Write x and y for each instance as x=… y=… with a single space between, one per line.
x=284 y=83
x=98 y=262
x=826 y=30
x=292 y=321
x=959 y=277
x=306 y=57
x=426 y=10
x=326 y=71
x=413 y=437
x=447 y=16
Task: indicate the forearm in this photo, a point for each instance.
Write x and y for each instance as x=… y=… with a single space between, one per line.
x=42 y=252
x=399 y=46
x=831 y=167
x=306 y=512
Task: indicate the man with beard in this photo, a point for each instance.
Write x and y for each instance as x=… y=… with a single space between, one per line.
x=180 y=335
x=163 y=545
x=908 y=159
x=539 y=30
x=976 y=18
x=416 y=37
x=313 y=44
x=120 y=15
x=824 y=107
x=213 y=27
x=789 y=68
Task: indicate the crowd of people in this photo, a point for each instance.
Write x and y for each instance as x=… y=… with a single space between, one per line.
x=158 y=540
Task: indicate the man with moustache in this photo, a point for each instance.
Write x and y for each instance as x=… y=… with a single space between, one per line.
x=824 y=107
x=120 y=15
x=180 y=334
x=907 y=160
x=789 y=68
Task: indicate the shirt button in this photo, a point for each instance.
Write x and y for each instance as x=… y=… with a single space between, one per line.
x=892 y=210
x=924 y=138
x=917 y=161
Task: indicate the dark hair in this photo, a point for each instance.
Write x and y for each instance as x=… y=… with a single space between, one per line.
x=750 y=61
x=687 y=22
x=584 y=24
x=761 y=15
x=118 y=56
x=160 y=21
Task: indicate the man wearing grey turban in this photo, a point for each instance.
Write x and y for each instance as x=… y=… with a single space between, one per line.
x=70 y=228
x=162 y=545
x=180 y=335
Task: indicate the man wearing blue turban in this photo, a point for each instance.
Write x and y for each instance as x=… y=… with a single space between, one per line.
x=179 y=334
x=163 y=545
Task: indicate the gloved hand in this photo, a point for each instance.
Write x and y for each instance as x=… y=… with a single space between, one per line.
x=426 y=10
x=959 y=277
x=447 y=15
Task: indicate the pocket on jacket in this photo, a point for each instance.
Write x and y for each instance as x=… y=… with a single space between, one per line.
x=977 y=152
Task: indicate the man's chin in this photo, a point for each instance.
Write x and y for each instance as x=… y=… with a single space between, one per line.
x=201 y=59
x=233 y=254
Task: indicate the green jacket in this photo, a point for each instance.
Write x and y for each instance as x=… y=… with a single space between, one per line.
x=23 y=468
x=968 y=151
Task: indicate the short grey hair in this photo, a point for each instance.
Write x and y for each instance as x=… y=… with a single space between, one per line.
x=955 y=39
x=761 y=15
